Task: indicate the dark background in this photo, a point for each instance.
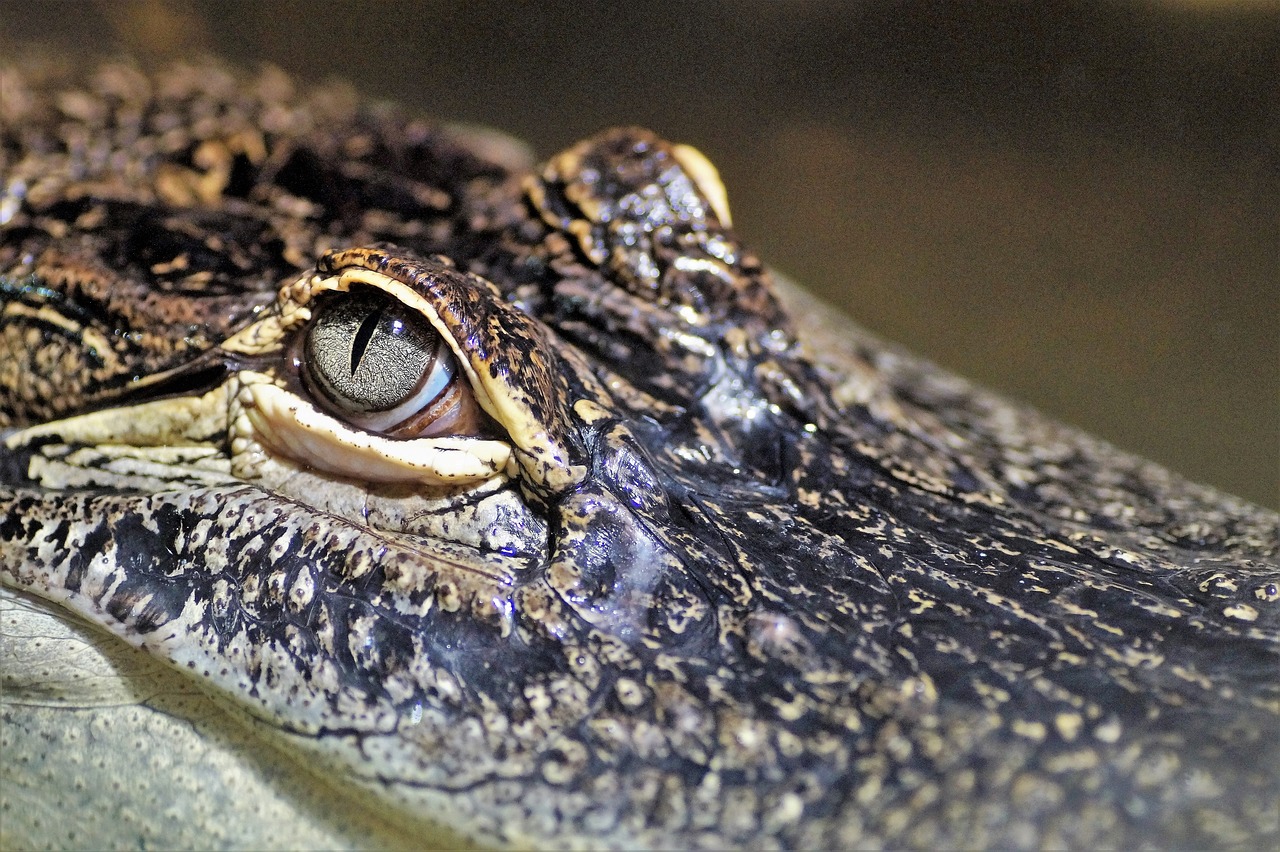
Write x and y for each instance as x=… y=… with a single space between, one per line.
x=1075 y=203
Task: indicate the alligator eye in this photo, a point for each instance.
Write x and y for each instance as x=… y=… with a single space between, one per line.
x=380 y=366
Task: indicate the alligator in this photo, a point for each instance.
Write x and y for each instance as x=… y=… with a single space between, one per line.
x=366 y=484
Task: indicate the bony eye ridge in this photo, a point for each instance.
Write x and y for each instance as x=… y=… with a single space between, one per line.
x=375 y=363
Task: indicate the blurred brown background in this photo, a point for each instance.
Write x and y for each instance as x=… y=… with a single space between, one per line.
x=1075 y=203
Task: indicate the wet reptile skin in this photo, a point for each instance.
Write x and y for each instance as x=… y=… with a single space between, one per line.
x=751 y=577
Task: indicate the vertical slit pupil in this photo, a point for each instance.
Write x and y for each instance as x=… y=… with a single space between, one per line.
x=363 y=335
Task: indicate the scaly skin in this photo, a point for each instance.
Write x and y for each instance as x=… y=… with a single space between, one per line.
x=744 y=580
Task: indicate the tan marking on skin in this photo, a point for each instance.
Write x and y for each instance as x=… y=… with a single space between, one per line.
x=160 y=423
x=1108 y=732
x=1190 y=675
x=91 y=339
x=591 y=411
x=1226 y=583
x=707 y=178
x=1068 y=725
x=1031 y=730
x=922 y=603
x=809 y=497
x=1075 y=761
x=1243 y=612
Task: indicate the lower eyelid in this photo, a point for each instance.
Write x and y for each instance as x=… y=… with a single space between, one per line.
x=453 y=412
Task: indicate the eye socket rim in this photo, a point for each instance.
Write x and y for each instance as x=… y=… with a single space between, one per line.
x=528 y=409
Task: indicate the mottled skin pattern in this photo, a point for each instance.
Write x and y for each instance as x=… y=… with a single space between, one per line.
x=799 y=590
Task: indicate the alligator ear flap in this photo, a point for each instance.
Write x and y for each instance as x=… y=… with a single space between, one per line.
x=653 y=217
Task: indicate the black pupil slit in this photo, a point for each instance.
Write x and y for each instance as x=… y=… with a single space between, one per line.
x=363 y=335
